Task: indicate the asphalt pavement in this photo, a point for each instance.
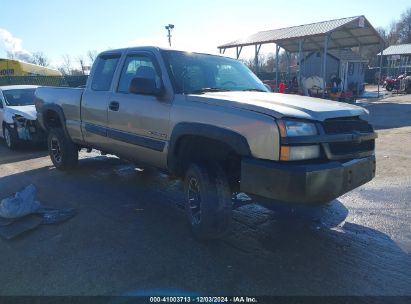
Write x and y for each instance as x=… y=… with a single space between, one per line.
x=131 y=236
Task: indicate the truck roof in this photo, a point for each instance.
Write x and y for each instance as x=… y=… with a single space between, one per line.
x=18 y=87
x=153 y=48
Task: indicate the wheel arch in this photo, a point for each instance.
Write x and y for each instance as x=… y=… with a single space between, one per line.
x=235 y=141
x=52 y=116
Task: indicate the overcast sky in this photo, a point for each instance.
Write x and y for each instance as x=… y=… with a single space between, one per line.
x=75 y=26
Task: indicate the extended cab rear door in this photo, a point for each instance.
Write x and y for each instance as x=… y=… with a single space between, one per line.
x=1 y=113
x=138 y=125
x=95 y=101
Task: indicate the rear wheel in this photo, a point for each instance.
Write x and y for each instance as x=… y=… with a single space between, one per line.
x=63 y=152
x=208 y=200
x=10 y=137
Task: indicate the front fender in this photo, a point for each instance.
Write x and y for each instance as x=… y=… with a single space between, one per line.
x=8 y=117
x=235 y=140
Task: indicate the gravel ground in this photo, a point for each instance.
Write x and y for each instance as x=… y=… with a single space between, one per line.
x=130 y=235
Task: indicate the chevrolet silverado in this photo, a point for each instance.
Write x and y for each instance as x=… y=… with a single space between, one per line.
x=211 y=122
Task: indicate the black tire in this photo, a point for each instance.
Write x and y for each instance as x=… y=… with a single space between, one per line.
x=389 y=87
x=10 y=137
x=212 y=200
x=63 y=152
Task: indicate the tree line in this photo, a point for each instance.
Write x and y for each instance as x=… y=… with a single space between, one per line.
x=399 y=31
x=68 y=66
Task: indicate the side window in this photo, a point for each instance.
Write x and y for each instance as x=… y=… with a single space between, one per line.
x=137 y=66
x=103 y=74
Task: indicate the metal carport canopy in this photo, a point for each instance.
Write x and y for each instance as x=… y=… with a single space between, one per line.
x=342 y=33
x=399 y=49
x=333 y=34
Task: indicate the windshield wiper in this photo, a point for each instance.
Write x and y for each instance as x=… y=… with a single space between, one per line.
x=205 y=90
x=254 y=90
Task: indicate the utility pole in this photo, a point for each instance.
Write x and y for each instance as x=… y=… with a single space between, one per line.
x=169 y=28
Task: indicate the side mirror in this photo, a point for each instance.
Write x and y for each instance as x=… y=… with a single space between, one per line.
x=144 y=86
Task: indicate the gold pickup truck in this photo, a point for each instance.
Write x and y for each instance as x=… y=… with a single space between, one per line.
x=211 y=122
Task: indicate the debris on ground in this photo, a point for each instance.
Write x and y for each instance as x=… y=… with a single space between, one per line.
x=23 y=213
x=23 y=203
x=20 y=226
x=55 y=216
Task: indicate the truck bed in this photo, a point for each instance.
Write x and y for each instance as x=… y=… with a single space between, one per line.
x=67 y=101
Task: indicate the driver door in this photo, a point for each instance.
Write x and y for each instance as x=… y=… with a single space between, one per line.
x=138 y=124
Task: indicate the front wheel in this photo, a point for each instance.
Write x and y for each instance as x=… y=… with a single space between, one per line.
x=208 y=200
x=63 y=152
x=10 y=137
x=389 y=87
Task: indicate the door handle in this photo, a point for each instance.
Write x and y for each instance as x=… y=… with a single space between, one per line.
x=114 y=106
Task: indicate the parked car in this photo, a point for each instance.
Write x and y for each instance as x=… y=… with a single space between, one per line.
x=211 y=122
x=18 y=117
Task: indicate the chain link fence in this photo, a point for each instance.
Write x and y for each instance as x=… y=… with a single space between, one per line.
x=55 y=81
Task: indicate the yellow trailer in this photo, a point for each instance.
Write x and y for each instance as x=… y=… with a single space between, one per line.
x=12 y=67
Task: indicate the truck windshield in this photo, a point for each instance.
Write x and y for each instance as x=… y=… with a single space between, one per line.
x=193 y=73
x=19 y=97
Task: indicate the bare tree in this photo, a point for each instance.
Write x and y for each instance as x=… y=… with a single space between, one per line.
x=66 y=65
x=269 y=63
x=393 y=35
x=249 y=63
x=92 y=55
x=76 y=72
x=398 y=31
x=370 y=52
x=40 y=59
x=262 y=63
x=80 y=60
x=404 y=27
x=10 y=55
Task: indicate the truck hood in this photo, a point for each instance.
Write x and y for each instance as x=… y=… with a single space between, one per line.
x=281 y=105
x=28 y=112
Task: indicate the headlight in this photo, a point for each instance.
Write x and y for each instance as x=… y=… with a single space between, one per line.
x=296 y=128
x=293 y=128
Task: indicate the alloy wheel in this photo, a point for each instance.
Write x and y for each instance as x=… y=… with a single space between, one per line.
x=55 y=150
x=194 y=200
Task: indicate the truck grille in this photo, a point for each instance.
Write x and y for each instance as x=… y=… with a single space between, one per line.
x=351 y=147
x=348 y=125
